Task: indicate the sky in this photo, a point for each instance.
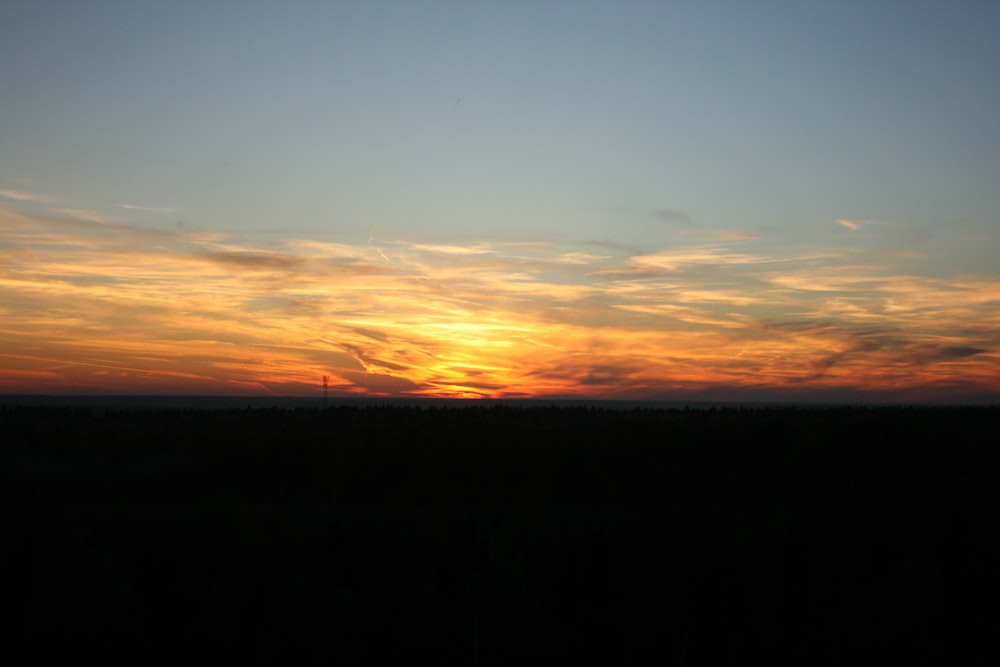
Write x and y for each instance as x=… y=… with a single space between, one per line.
x=639 y=200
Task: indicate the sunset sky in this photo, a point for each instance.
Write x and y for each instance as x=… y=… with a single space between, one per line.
x=637 y=200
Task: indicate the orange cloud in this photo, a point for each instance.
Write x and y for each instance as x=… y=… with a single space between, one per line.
x=22 y=195
x=87 y=306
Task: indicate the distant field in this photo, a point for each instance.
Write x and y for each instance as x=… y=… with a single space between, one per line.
x=499 y=534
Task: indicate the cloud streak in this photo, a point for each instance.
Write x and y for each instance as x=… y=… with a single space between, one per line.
x=89 y=306
x=849 y=224
x=148 y=209
x=23 y=196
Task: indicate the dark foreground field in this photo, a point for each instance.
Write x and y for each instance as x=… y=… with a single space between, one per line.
x=502 y=535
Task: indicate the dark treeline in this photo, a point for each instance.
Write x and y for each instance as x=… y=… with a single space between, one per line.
x=502 y=535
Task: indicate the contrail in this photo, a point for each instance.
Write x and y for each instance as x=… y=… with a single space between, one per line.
x=371 y=244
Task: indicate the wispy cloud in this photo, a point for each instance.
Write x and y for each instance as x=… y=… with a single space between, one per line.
x=671 y=217
x=668 y=216
x=23 y=195
x=581 y=258
x=452 y=249
x=856 y=225
x=849 y=224
x=672 y=260
x=90 y=305
x=88 y=216
x=253 y=260
x=718 y=235
x=148 y=209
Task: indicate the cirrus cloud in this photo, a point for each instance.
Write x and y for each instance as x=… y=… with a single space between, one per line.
x=100 y=306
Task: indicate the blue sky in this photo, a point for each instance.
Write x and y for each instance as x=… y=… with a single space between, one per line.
x=863 y=132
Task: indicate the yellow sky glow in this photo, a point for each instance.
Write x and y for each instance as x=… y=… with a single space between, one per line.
x=90 y=307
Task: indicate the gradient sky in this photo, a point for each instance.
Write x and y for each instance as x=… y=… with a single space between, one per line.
x=666 y=200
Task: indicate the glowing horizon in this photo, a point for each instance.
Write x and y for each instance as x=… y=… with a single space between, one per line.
x=95 y=307
x=664 y=200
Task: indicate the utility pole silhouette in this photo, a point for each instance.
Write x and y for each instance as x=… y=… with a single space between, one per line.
x=326 y=390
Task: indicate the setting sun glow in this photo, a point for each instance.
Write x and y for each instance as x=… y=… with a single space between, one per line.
x=91 y=307
x=665 y=201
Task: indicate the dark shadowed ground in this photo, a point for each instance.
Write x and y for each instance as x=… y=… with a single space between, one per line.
x=493 y=535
